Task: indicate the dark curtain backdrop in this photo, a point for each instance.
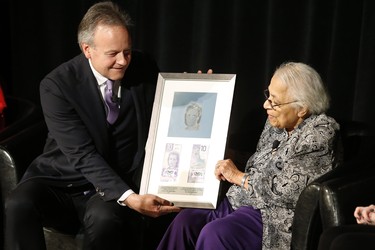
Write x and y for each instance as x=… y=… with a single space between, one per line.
x=249 y=38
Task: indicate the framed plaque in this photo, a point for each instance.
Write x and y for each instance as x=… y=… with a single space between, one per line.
x=188 y=134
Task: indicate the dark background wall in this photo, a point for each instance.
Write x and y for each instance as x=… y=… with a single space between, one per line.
x=245 y=37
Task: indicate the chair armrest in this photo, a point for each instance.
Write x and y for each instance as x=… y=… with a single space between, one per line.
x=340 y=196
x=305 y=221
x=307 y=225
x=8 y=179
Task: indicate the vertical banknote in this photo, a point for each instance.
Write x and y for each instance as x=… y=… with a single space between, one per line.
x=171 y=161
x=197 y=169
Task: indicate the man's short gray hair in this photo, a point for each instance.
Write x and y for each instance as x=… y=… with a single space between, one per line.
x=107 y=13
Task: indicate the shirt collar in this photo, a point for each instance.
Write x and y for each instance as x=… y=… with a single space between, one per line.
x=101 y=81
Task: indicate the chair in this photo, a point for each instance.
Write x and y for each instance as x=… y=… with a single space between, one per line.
x=19 y=114
x=16 y=153
x=356 y=138
x=340 y=196
x=307 y=225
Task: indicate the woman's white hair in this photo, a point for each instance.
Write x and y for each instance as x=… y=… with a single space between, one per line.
x=304 y=86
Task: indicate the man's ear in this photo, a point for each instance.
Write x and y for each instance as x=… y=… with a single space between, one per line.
x=86 y=50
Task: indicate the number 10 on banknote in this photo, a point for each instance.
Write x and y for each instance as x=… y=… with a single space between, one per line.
x=187 y=136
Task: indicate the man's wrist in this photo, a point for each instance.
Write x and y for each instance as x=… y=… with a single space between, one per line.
x=124 y=196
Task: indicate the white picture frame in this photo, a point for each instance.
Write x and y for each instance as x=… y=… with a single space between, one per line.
x=187 y=136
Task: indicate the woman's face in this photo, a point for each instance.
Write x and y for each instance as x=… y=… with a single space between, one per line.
x=283 y=116
x=191 y=117
x=173 y=160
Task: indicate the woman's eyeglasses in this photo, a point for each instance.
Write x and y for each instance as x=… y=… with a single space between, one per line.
x=274 y=105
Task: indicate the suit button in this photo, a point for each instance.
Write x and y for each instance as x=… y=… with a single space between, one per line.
x=99 y=191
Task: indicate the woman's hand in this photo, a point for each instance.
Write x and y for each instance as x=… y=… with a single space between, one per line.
x=365 y=215
x=226 y=170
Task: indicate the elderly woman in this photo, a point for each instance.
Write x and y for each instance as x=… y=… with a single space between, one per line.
x=297 y=145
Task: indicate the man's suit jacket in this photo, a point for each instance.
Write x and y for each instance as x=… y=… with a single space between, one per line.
x=77 y=148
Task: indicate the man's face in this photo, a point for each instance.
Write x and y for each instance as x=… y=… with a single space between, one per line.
x=110 y=54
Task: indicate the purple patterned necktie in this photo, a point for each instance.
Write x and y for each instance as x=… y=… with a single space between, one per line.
x=113 y=109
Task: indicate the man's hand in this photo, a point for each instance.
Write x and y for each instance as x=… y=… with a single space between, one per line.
x=210 y=71
x=150 y=205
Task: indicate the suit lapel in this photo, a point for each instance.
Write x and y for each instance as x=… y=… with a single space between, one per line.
x=91 y=107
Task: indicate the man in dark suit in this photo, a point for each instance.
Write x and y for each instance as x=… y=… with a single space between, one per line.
x=89 y=173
